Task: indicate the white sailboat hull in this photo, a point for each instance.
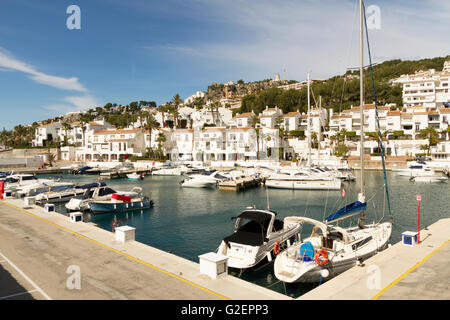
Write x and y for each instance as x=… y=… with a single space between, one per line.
x=290 y=268
x=332 y=184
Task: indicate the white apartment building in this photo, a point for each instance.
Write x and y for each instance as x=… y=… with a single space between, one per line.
x=46 y=132
x=112 y=145
x=210 y=144
x=268 y=117
x=198 y=94
x=426 y=88
x=242 y=120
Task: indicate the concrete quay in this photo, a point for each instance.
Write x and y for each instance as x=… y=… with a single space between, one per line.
x=400 y=272
x=44 y=251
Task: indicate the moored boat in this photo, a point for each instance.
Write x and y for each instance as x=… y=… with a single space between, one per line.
x=258 y=235
x=120 y=203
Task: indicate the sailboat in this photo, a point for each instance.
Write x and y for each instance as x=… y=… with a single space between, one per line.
x=330 y=249
x=304 y=179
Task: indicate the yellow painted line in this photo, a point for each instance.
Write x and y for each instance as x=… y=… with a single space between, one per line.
x=119 y=252
x=411 y=269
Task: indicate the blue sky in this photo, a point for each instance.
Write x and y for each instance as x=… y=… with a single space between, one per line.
x=150 y=50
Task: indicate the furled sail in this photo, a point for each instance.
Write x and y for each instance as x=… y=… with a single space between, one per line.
x=347 y=211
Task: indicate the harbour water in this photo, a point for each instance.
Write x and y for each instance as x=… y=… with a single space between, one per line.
x=189 y=221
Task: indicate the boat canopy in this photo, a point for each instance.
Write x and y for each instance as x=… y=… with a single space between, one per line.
x=92 y=185
x=347 y=211
x=254 y=232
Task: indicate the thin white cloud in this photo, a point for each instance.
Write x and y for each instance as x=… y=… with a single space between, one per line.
x=82 y=102
x=310 y=35
x=73 y=103
x=8 y=62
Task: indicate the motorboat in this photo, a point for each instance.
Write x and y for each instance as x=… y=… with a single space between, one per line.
x=433 y=178
x=303 y=180
x=135 y=176
x=329 y=251
x=120 y=203
x=15 y=181
x=416 y=169
x=258 y=235
x=205 y=180
x=99 y=192
x=64 y=194
x=39 y=187
x=344 y=175
x=167 y=172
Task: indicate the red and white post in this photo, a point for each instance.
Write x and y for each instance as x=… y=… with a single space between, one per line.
x=419 y=199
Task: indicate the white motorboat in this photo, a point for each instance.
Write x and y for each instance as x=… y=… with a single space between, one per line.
x=135 y=176
x=64 y=194
x=167 y=172
x=16 y=181
x=39 y=187
x=98 y=193
x=330 y=249
x=416 y=169
x=258 y=235
x=205 y=180
x=433 y=178
x=302 y=180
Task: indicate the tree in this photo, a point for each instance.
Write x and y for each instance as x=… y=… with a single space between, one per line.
x=254 y=120
x=66 y=126
x=432 y=135
x=176 y=102
x=84 y=119
x=150 y=124
x=161 y=139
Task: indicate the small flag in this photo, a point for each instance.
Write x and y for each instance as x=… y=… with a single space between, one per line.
x=343 y=192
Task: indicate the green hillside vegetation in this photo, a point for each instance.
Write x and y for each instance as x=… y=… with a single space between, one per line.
x=341 y=92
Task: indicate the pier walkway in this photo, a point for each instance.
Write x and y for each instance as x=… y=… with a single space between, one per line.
x=397 y=273
x=44 y=253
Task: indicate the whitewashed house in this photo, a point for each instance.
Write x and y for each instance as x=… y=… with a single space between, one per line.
x=46 y=132
x=112 y=145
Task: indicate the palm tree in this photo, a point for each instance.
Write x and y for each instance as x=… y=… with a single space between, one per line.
x=66 y=126
x=254 y=120
x=84 y=119
x=177 y=101
x=150 y=124
x=161 y=139
x=431 y=134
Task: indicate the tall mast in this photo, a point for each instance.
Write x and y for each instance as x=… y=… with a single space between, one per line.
x=362 y=195
x=309 y=127
x=361 y=85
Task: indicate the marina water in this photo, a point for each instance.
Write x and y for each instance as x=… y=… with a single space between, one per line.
x=189 y=222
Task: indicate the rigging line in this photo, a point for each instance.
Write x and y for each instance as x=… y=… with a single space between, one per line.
x=326 y=203
x=380 y=142
x=355 y=10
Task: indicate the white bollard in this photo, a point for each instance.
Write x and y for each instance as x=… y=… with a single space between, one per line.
x=76 y=216
x=125 y=233
x=49 y=207
x=213 y=264
x=29 y=201
x=409 y=238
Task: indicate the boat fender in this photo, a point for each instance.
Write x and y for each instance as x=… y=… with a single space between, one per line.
x=321 y=257
x=324 y=273
x=276 y=248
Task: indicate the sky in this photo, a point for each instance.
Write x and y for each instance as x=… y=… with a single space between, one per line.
x=150 y=50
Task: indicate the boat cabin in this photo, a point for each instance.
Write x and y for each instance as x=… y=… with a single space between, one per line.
x=253 y=227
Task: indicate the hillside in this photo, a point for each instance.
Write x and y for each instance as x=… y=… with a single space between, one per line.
x=340 y=92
